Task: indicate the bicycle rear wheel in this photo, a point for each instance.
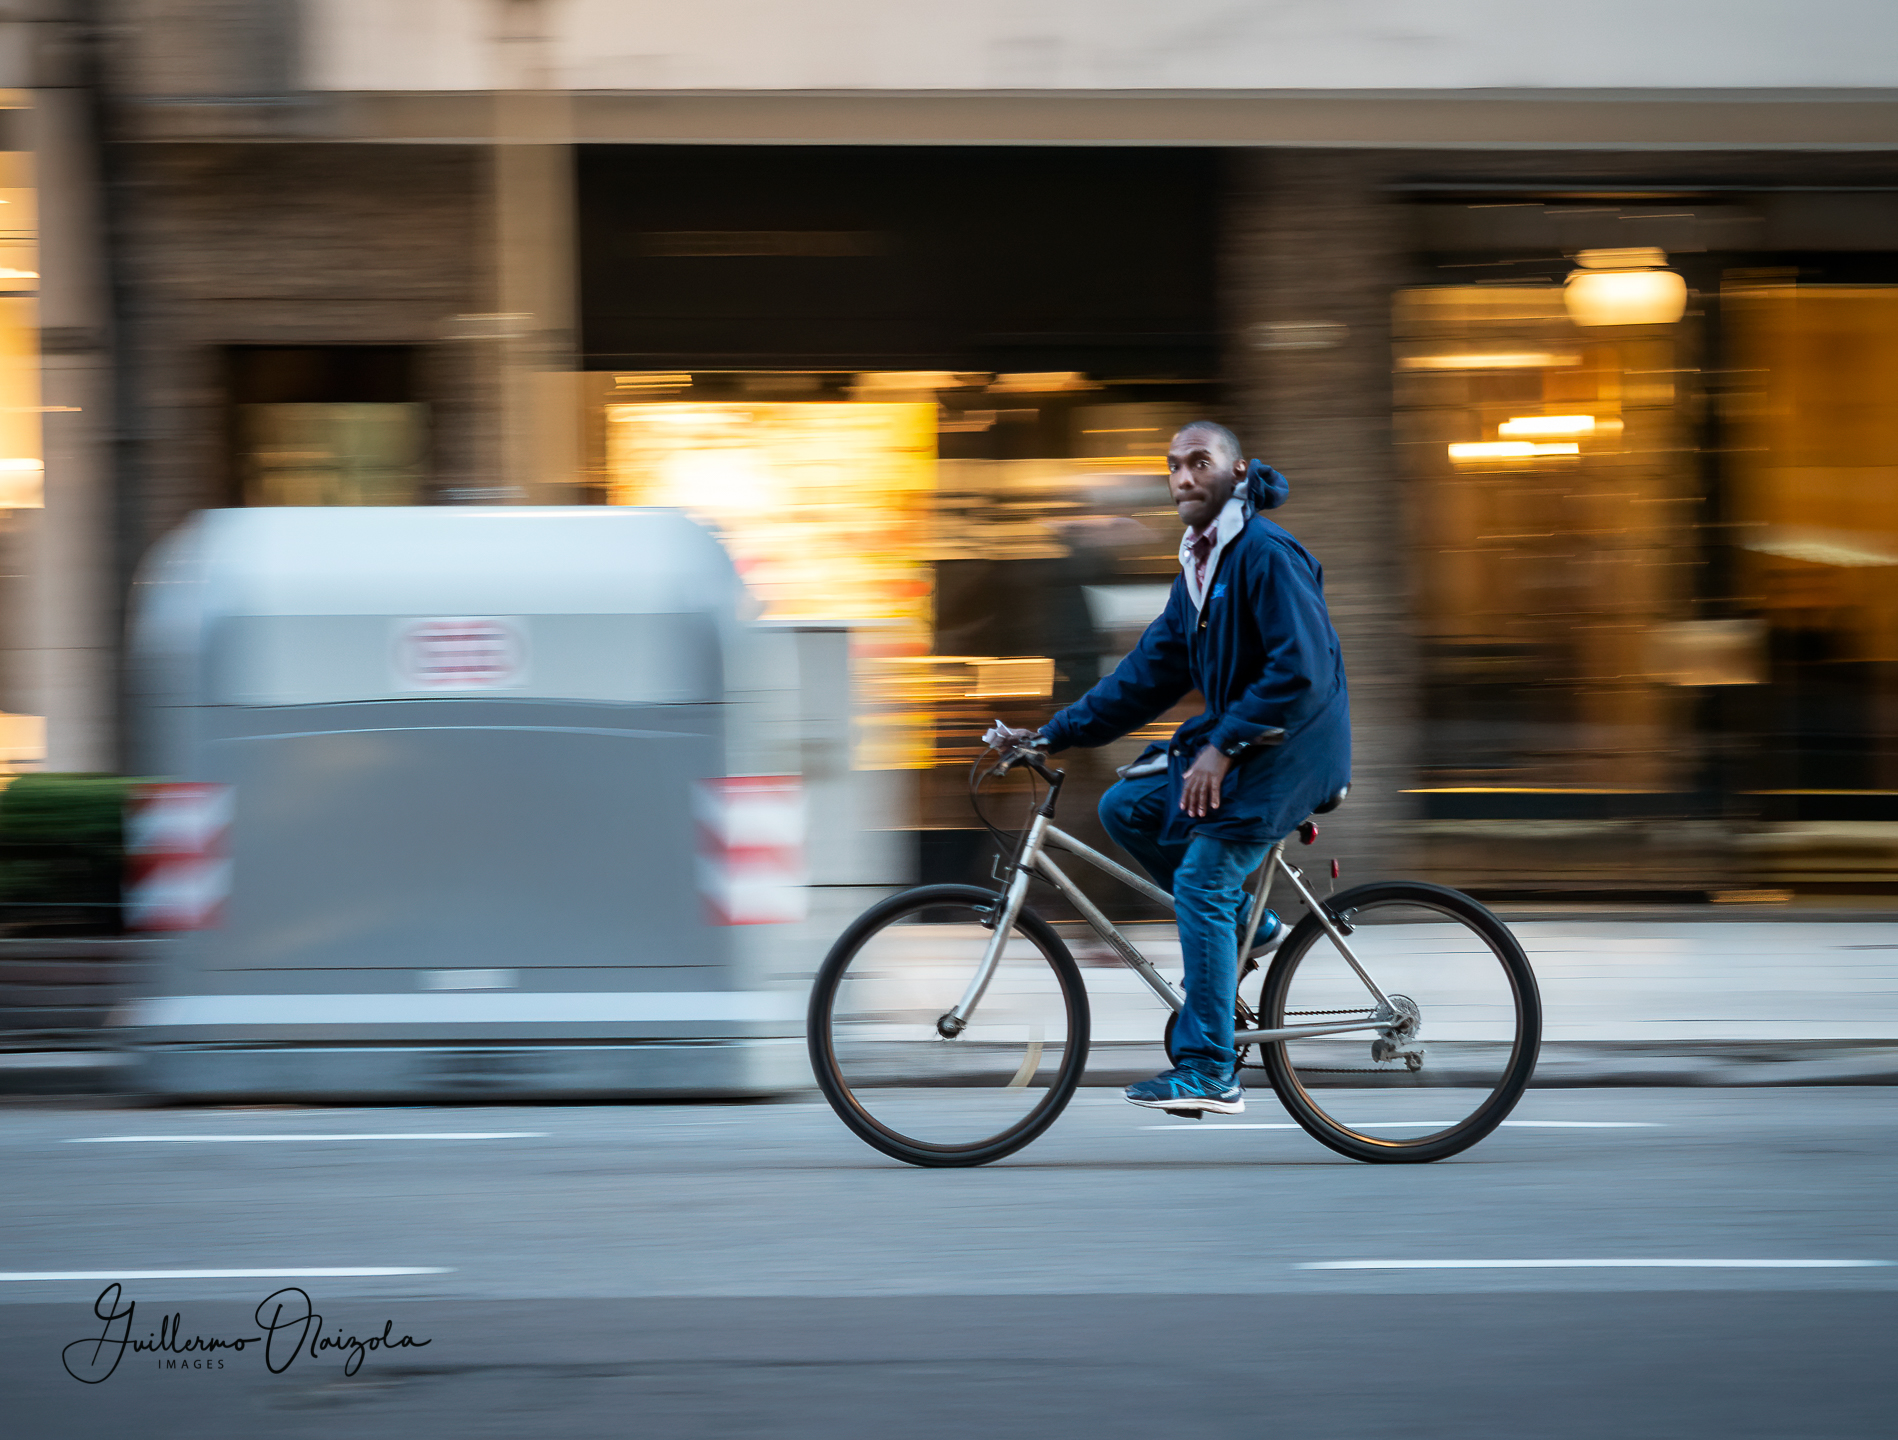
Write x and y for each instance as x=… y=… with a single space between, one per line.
x=892 y=1077
x=1451 y=1071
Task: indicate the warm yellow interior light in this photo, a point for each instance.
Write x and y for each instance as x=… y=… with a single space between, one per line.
x=1625 y=297
x=1631 y=257
x=909 y=381
x=1527 y=427
x=21 y=480
x=22 y=744
x=1042 y=382
x=823 y=506
x=1818 y=545
x=1510 y=360
x=1508 y=450
x=1023 y=677
x=653 y=380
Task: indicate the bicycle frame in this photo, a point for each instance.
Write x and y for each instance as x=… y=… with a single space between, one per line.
x=1032 y=859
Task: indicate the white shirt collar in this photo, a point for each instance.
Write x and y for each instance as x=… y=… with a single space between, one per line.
x=1226 y=527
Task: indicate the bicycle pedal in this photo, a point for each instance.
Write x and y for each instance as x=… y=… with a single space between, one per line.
x=1188 y=1114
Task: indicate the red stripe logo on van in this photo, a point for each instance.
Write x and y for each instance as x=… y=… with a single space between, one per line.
x=178 y=866
x=751 y=849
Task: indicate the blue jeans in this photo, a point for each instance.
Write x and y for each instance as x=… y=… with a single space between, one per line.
x=1207 y=878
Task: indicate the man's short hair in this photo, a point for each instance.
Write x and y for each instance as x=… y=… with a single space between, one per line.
x=1221 y=437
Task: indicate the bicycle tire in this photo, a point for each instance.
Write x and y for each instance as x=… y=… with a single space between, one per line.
x=851 y=1100
x=1511 y=1077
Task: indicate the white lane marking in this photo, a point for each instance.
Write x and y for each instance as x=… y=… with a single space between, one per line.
x=292 y=1272
x=267 y=1139
x=1440 y=1125
x=1645 y=1264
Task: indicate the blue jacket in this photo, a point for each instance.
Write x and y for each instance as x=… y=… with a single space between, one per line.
x=1265 y=657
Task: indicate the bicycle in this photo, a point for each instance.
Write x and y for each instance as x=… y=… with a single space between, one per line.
x=949 y=1025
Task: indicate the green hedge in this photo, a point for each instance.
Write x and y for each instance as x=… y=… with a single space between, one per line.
x=62 y=846
x=72 y=809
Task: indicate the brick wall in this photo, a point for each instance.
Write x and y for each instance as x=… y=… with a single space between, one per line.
x=288 y=244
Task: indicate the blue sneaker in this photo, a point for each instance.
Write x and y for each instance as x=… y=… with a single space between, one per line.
x=1271 y=931
x=1183 y=1092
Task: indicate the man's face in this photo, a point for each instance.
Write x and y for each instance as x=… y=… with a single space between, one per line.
x=1200 y=477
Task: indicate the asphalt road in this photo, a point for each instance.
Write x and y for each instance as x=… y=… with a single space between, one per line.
x=755 y=1271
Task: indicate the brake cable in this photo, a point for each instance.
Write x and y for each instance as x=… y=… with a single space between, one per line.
x=1004 y=841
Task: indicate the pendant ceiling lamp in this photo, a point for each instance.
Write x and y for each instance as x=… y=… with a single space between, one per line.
x=1624 y=287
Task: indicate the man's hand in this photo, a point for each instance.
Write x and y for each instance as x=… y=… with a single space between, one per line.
x=1200 y=794
x=999 y=736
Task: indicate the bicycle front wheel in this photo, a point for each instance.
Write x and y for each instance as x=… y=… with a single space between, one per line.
x=887 y=1070
x=1462 y=1053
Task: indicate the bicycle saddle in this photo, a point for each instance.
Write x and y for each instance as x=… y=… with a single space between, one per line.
x=1333 y=803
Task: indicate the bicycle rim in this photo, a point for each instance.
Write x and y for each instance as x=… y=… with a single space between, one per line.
x=1435 y=1084
x=895 y=1080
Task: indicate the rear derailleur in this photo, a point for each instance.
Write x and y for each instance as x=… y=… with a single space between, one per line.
x=1398 y=1041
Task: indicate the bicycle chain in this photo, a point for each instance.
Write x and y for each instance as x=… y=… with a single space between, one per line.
x=1351 y=1070
x=1328 y=1069
x=1245 y=1050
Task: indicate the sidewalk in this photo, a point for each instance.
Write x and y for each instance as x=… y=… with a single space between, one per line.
x=1631 y=1002
x=1787 y=1001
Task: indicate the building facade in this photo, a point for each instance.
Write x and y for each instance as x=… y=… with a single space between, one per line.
x=1576 y=336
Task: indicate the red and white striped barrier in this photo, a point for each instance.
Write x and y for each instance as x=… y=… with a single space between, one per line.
x=751 y=849
x=178 y=866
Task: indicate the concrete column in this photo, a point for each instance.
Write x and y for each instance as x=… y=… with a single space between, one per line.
x=1311 y=255
x=69 y=637
x=535 y=261
x=534 y=293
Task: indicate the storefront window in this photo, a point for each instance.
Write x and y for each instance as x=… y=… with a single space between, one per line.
x=825 y=507
x=1557 y=502
x=327 y=425
x=1656 y=571
x=999 y=541
x=343 y=454
x=1813 y=501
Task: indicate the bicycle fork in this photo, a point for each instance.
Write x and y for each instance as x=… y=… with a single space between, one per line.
x=955 y=1020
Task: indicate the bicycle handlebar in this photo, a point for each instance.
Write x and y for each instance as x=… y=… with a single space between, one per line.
x=1012 y=748
x=1022 y=753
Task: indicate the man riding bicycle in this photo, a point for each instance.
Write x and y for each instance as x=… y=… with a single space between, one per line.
x=1246 y=626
